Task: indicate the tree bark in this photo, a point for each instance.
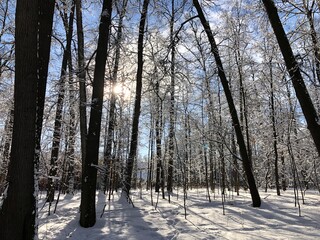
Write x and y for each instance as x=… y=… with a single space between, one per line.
x=89 y=171
x=242 y=99
x=159 y=130
x=18 y=212
x=311 y=116
x=172 y=101
x=274 y=131
x=137 y=103
x=58 y=117
x=234 y=115
x=112 y=109
x=46 y=12
x=82 y=79
x=150 y=156
x=71 y=137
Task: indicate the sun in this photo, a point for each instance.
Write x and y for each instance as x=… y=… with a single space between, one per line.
x=122 y=91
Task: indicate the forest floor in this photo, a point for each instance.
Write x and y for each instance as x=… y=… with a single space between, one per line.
x=277 y=218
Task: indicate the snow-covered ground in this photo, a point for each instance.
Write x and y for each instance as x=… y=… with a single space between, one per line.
x=277 y=218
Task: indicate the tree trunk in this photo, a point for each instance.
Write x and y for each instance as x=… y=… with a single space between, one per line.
x=89 y=171
x=150 y=156
x=235 y=120
x=70 y=154
x=137 y=103
x=274 y=131
x=172 y=102
x=235 y=167
x=303 y=96
x=18 y=212
x=283 y=169
x=58 y=117
x=112 y=109
x=82 y=80
x=46 y=12
x=221 y=152
x=159 y=129
x=186 y=159
x=242 y=100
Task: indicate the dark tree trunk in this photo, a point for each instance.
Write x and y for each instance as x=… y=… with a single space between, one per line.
x=210 y=120
x=89 y=171
x=204 y=147
x=303 y=96
x=187 y=161
x=205 y=156
x=137 y=103
x=235 y=167
x=158 y=125
x=172 y=102
x=274 y=131
x=283 y=169
x=235 y=120
x=58 y=117
x=18 y=212
x=158 y=135
x=211 y=127
x=243 y=105
x=112 y=109
x=71 y=138
x=82 y=80
x=150 y=156
x=46 y=12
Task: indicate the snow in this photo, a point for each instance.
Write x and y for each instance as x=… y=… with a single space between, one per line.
x=277 y=218
x=4 y=195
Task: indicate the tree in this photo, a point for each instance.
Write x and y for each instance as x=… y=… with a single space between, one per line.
x=58 y=118
x=137 y=102
x=172 y=101
x=274 y=130
x=293 y=68
x=89 y=170
x=46 y=12
x=156 y=116
x=17 y=215
x=256 y=201
x=112 y=111
x=158 y=134
x=82 y=79
x=71 y=141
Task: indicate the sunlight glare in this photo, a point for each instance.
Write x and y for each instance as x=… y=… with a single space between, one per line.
x=121 y=91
